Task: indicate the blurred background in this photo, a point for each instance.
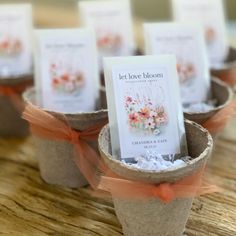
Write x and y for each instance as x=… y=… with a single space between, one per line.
x=63 y=13
x=46 y=10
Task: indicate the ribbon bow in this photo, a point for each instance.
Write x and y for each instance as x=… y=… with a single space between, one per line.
x=99 y=176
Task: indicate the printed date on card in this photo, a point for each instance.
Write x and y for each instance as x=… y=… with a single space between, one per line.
x=143 y=114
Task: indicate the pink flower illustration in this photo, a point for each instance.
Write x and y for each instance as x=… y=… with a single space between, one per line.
x=160 y=121
x=186 y=71
x=53 y=66
x=10 y=46
x=144 y=116
x=66 y=81
x=153 y=114
x=65 y=77
x=133 y=118
x=5 y=44
x=149 y=124
x=55 y=82
x=210 y=35
x=129 y=99
x=144 y=113
x=110 y=42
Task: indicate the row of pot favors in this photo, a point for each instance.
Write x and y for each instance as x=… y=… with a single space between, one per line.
x=68 y=62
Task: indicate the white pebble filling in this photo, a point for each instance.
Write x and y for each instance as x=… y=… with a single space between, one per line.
x=199 y=107
x=153 y=161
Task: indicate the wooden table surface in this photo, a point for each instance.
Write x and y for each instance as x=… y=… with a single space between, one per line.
x=28 y=206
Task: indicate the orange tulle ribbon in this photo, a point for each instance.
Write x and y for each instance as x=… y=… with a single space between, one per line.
x=14 y=92
x=9 y=90
x=218 y=122
x=228 y=76
x=99 y=176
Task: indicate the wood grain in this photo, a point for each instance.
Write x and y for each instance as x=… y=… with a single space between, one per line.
x=28 y=206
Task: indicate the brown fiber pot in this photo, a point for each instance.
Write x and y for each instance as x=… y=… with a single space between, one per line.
x=56 y=158
x=222 y=93
x=227 y=72
x=11 y=123
x=153 y=217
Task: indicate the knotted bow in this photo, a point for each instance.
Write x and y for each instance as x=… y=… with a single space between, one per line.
x=99 y=176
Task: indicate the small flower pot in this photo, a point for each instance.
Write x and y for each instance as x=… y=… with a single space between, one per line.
x=151 y=217
x=227 y=72
x=222 y=93
x=11 y=123
x=56 y=158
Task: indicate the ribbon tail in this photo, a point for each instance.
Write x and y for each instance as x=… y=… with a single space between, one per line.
x=208 y=188
x=88 y=163
x=46 y=125
x=219 y=121
x=17 y=102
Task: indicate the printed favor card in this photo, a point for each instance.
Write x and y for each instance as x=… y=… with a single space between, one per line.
x=210 y=13
x=145 y=112
x=15 y=40
x=66 y=70
x=186 y=42
x=112 y=22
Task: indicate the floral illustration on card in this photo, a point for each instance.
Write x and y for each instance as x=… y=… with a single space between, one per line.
x=144 y=116
x=109 y=42
x=210 y=35
x=10 y=46
x=66 y=81
x=186 y=71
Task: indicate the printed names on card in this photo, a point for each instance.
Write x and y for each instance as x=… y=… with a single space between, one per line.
x=142 y=115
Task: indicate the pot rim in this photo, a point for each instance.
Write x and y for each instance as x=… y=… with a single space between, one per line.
x=16 y=79
x=225 y=66
x=71 y=116
x=230 y=92
x=106 y=156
